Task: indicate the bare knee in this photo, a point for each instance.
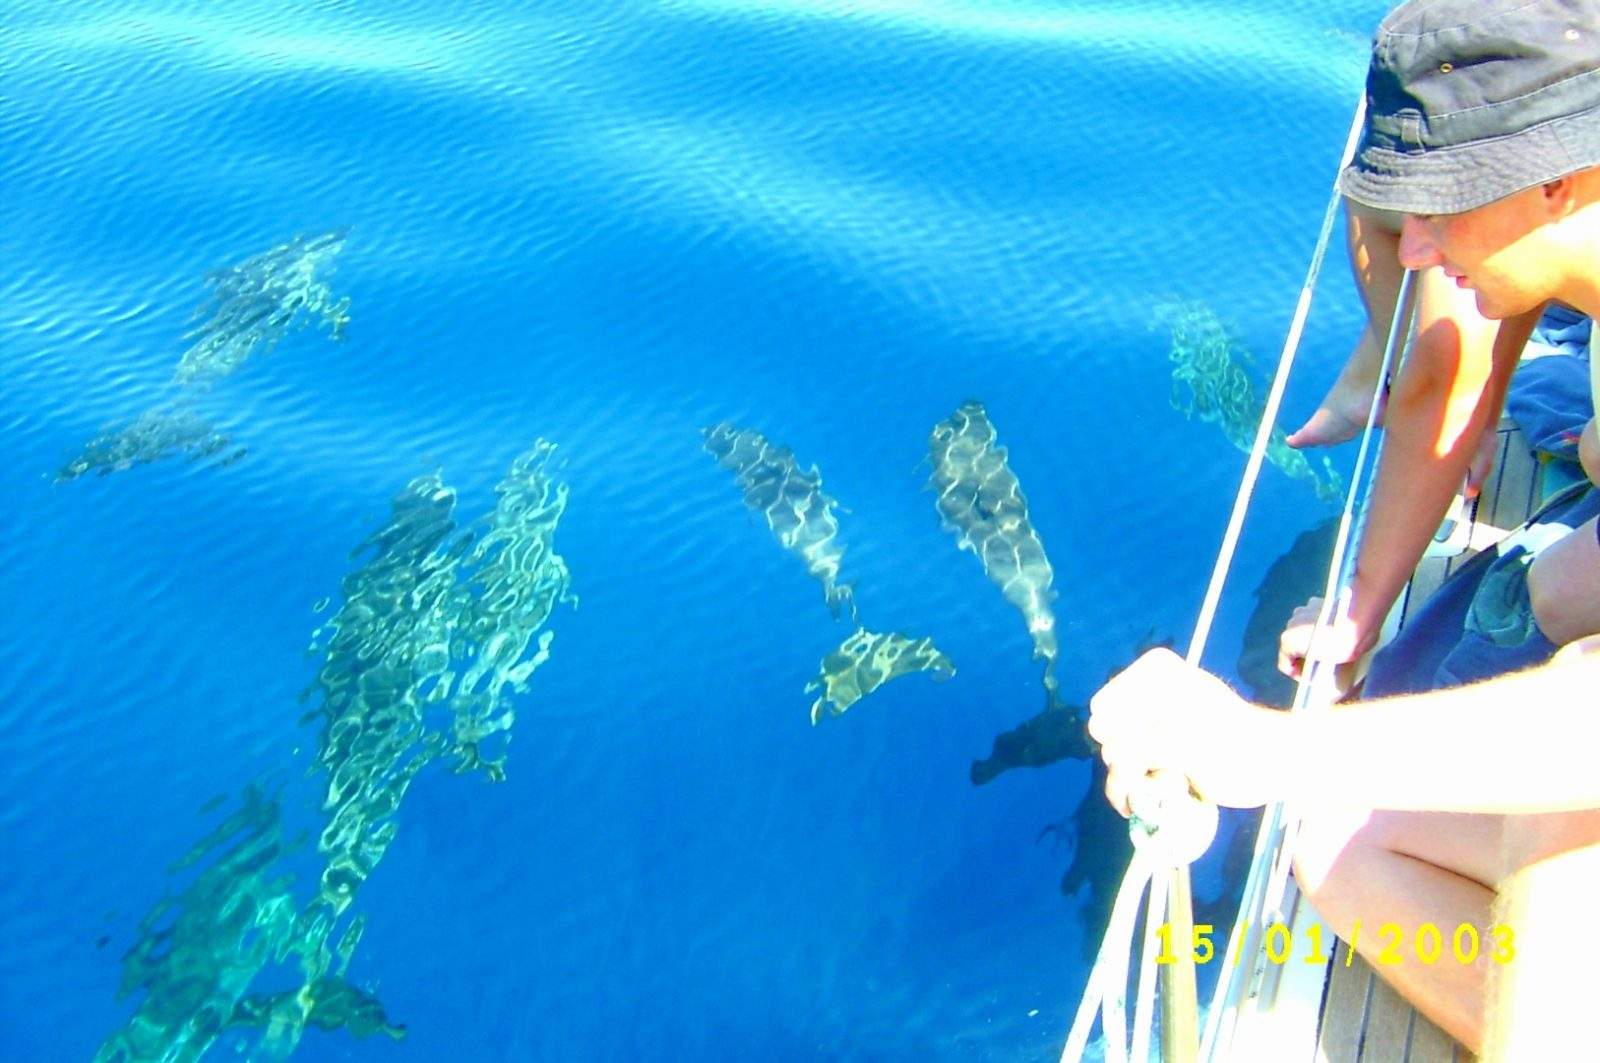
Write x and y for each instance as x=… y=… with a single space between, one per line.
x=1563 y=585
x=1324 y=841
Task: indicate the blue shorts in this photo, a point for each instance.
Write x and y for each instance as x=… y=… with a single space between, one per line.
x=1479 y=623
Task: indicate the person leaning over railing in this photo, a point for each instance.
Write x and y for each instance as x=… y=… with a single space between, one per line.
x=1477 y=805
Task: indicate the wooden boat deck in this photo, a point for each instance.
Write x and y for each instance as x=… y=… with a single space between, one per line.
x=1513 y=492
x=1362 y=1019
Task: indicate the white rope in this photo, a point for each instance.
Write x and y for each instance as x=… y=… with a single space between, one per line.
x=1155 y=916
x=1169 y=829
x=1108 y=978
x=1107 y=986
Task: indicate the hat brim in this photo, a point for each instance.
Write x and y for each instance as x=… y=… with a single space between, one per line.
x=1462 y=178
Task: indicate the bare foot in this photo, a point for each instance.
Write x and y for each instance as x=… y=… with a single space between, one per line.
x=1343 y=413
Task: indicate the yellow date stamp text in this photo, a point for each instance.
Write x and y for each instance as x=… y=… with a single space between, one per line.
x=1428 y=944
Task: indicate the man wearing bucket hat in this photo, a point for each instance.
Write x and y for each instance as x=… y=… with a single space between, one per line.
x=1469 y=104
x=1479 y=804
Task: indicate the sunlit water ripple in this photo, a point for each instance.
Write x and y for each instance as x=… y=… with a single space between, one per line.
x=610 y=225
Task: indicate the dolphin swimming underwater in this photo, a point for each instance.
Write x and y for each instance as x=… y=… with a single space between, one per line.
x=865 y=661
x=254 y=304
x=440 y=626
x=791 y=500
x=801 y=517
x=153 y=435
x=1213 y=378
x=981 y=503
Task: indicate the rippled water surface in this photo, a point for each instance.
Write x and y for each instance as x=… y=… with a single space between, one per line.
x=336 y=269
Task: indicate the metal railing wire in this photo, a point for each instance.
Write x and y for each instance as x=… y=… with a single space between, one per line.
x=1106 y=990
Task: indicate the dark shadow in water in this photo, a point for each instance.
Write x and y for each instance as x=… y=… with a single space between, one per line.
x=1300 y=574
x=1057 y=733
x=1095 y=832
x=1101 y=849
x=1097 y=835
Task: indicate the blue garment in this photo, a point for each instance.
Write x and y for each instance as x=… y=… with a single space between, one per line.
x=1562 y=329
x=1549 y=399
x=1480 y=623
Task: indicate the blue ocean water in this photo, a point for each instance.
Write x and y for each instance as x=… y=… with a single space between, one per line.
x=609 y=225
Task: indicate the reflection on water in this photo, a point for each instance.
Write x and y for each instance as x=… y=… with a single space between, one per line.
x=827 y=221
x=981 y=503
x=436 y=631
x=865 y=661
x=1214 y=378
x=252 y=306
x=1300 y=574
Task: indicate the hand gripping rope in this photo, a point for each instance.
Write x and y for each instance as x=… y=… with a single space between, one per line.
x=1170 y=826
x=1170 y=830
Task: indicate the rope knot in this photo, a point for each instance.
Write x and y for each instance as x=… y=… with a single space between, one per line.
x=1169 y=823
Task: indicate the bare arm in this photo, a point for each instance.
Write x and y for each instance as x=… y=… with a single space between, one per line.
x=1446 y=395
x=1449 y=392
x=1525 y=742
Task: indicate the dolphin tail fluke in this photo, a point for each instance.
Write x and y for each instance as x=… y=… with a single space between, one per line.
x=842 y=601
x=1052 y=689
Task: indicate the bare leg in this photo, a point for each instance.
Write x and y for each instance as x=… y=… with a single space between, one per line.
x=1447 y=869
x=1372 y=240
x=1541 y=1003
x=1589 y=450
x=1408 y=868
x=1343 y=412
x=1564 y=587
x=1373 y=243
